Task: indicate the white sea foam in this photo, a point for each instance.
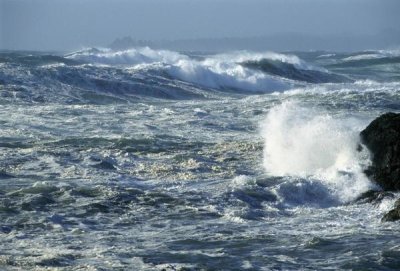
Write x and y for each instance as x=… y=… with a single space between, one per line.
x=326 y=55
x=223 y=71
x=363 y=57
x=373 y=55
x=243 y=56
x=126 y=57
x=220 y=74
x=307 y=143
x=144 y=55
x=360 y=87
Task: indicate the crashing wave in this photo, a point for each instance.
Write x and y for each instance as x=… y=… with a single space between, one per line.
x=303 y=143
x=131 y=57
x=145 y=72
x=219 y=71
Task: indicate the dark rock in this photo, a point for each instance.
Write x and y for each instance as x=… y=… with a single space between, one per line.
x=393 y=214
x=374 y=197
x=382 y=138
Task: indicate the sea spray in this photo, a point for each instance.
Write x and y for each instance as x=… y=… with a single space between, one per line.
x=311 y=144
x=222 y=71
x=224 y=75
x=188 y=190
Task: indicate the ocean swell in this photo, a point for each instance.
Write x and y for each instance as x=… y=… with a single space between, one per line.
x=292 y=71
x=219 y=72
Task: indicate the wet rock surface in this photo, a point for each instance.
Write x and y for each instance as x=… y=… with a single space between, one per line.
x=393 y=214
x=382 y=138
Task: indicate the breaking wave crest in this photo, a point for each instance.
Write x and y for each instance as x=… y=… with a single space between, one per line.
x=238 y=70
x=219 y=71
x=103 y=75
x=306 y=144
x=126 y=57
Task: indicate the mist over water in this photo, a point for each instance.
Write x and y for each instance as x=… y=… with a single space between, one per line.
x=208 y=25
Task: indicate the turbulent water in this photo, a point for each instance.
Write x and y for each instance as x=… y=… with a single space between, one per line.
x=149 y=159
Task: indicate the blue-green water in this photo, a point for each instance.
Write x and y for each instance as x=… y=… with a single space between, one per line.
x=151 y=160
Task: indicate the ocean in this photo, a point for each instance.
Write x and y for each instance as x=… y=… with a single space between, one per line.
x=147 y=159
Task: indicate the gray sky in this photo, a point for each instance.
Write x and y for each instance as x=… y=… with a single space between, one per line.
x=67 y=25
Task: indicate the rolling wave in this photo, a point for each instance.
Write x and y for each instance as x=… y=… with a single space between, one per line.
x=36 y=59
x=363 y=62
x=369 y=58
x=237 y=70
x=290 y=71
x=220 y=72
x=101 y=75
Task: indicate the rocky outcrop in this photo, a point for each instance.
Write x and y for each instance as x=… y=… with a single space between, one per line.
x=393 y=214
x=382 y=138
x=374 y=197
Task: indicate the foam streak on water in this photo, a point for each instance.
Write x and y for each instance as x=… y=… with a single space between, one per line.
x=148 y=159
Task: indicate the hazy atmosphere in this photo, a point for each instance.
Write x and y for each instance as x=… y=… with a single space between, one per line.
x=69 y=25
x=187 y=135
